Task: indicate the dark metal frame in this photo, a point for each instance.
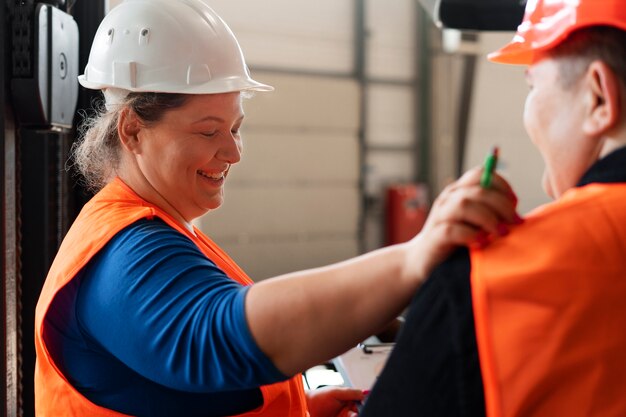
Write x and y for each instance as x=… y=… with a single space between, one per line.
x=12 y=278
x=10 y=307
x=40 y=200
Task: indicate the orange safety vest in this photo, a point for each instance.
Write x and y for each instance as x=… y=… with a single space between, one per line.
x=113 y=208
x=550 y=309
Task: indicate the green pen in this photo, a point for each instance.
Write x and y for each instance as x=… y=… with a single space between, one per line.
x=490 y=166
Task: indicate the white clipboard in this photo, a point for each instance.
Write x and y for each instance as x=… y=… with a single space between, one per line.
x=361 y=365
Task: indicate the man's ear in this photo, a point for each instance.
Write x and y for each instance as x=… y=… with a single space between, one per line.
x=128 y=127
x=604 y=99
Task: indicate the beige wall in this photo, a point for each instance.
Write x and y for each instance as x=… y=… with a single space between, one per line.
x=293 y=201
x=292 y=34
x=497 y=108
x=495 y=119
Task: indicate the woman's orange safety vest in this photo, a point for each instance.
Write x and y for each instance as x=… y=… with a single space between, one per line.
x=550 y=308
x=112 y=209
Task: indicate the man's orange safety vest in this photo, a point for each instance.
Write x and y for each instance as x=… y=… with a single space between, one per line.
x=550 y=309
x=112 y=209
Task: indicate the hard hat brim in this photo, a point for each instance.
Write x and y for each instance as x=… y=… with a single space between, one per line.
x=513 y=54
x=228 y=86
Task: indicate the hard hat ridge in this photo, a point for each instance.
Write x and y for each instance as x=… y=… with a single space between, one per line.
x=204 y=11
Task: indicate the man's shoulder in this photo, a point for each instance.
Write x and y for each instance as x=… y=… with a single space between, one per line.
x=586 y=199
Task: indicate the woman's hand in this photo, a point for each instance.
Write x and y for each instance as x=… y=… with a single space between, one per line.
x=463 y=214
x=334 y=402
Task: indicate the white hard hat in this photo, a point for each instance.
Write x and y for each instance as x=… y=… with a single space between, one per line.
x=168 y=46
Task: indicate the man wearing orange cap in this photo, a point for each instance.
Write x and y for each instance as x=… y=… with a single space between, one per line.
x=533 y=324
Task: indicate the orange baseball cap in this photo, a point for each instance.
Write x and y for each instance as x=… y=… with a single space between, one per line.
x=548 y=22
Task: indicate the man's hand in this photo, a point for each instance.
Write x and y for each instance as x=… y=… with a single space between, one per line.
x=464 y=214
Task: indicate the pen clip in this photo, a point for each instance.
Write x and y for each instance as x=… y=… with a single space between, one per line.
x=370 y=347
x=365 y=348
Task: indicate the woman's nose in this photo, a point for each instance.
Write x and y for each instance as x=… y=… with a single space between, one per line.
x=231 y=149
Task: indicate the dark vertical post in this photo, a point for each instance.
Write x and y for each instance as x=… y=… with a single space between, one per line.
x=423 y=96
x=360 y=73
x=465 y=102
x=10 y=345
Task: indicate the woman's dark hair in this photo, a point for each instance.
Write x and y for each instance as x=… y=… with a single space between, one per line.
x=96 y=154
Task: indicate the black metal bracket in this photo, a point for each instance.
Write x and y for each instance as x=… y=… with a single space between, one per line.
x=479 y=15
x=44 y=87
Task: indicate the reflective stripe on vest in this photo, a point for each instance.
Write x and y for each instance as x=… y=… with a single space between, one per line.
x=550 y=309
x=112 y=209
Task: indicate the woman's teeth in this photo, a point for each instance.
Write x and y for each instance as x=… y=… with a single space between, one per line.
x=217 y=176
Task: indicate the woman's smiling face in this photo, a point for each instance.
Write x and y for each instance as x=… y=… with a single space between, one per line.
x=185 y=157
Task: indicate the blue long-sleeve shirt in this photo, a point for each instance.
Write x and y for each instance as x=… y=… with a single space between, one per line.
x=153 y=327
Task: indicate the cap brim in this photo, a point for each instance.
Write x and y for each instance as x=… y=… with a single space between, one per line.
x=512 y=54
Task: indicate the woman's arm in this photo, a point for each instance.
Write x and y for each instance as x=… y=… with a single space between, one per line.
x=304 y=318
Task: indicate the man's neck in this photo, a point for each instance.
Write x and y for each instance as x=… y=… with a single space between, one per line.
x=613 y=143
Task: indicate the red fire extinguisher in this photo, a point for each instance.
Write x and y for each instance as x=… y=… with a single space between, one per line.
x=406 y=211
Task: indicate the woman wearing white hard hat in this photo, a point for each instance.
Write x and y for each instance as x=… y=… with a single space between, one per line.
x=142 y=314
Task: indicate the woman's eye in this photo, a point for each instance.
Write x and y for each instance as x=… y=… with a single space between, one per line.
x=209 y=134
